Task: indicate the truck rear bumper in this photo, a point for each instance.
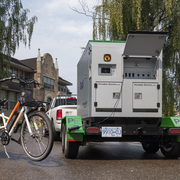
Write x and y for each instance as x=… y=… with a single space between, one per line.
x=133 y=130
x=133 y=133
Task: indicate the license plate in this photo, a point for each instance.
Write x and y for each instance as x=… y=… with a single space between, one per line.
x=111 y=132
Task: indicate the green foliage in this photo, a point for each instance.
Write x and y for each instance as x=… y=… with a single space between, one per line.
x=113 y=19
x=15 y=27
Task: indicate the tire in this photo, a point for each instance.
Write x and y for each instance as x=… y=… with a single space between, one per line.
x=171 y=150
x=70 y=148
x=63 y=137
x=38 y=146
x=55 y=134
x=150 y=147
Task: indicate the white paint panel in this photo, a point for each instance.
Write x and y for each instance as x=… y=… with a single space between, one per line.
x=107 y=95
x=145 y=95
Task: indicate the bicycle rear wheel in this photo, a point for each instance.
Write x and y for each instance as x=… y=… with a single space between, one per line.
x=37 y=146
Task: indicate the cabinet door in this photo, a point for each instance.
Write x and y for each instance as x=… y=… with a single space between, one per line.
x=145 y=97
x=144 y=43
x=108 y=96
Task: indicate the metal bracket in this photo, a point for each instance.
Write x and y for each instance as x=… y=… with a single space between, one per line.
x=95 y=104
x=6 y=152
x=90 y=50
x=158 y=105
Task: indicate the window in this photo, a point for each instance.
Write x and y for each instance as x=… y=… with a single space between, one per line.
x=65 y=89
x=62 y=88
x=12 y=99
x=52 y=84
x=63 y=100
x=21 y=74
x=16 y=71
x=59 y=87
x=4 y=95
x=4 y=67
x=11 y=70
x=26 y=75
x=48 y=83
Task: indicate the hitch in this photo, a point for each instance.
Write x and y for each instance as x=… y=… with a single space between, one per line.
x=140 y=131
x=74 y=128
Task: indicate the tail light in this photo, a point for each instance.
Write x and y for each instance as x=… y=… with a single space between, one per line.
x=71 y=97
x=59 y=115
x=93 y=130
x=174 y=131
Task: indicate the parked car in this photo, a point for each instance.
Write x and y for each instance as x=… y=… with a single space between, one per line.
x=61 y=106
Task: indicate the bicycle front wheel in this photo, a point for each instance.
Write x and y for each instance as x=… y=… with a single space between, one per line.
x=38 y=145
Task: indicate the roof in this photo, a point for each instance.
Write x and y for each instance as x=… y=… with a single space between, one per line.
x=62 y=81
x=106 y=44
x=18 y=63
x=30 y=63
x=107 y=41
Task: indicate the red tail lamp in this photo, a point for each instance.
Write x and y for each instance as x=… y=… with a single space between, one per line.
x=174 y=131
x=59 y=114
x=93 y=130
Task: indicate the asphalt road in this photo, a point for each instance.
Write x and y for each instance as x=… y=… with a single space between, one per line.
x=95 y=161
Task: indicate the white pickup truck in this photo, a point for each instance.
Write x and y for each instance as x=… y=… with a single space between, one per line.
x=61 y=106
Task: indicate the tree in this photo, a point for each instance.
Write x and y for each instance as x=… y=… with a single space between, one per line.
x=15 y=27
x=112 y=19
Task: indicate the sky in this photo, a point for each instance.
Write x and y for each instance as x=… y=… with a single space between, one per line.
x=60 y=32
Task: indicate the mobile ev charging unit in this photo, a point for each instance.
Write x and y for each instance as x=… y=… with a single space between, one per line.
x=120 y=96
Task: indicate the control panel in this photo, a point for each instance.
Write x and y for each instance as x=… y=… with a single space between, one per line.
x=140 y=68
x=107 y=70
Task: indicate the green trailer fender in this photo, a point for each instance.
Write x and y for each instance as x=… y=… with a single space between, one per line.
x=171 y=122
x=72 y=121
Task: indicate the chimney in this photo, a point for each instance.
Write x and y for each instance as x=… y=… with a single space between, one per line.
x=39 y=62
x=57 y=69
x=56 y=64
x=38 y=56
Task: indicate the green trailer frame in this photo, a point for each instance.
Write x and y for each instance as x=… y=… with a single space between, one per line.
x=74 y=134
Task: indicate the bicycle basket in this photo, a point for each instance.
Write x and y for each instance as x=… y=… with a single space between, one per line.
x=26 y=96
x=33 y=104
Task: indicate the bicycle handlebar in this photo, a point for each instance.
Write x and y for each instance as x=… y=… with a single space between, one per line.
x=5 y=79
x=32 y=81
x=21 y=81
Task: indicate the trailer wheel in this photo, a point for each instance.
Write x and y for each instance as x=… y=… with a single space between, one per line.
x=63 y=137
x=171 y=150
x=56 y=134
x=70 y=148
x=150 y=147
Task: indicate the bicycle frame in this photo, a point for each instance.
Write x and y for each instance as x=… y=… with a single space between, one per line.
x=23 y=113
x=4 y=118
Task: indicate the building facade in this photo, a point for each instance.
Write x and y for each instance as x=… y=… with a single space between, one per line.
x=43 y=70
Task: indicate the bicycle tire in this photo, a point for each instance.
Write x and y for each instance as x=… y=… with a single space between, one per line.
x=38 y=146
